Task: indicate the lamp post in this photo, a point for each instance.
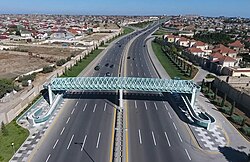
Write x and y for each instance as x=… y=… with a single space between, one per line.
x=12 y=144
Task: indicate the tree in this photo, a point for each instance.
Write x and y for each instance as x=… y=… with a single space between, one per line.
x=215 y=94
x=202 y=83
x=4 y=129
x=232 y=108
x=47 y=69
x=62 y=61
x=224 y=99
x=18 y=33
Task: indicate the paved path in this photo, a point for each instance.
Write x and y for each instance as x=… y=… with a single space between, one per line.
x=36 y=133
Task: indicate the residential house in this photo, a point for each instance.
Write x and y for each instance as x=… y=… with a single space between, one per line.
x=225 y=51
x=26 y=33
x=183 y=42
x=196 y=51
x=237 y=46
x=170 y=38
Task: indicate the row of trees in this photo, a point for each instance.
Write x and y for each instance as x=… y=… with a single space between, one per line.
x=226 y=107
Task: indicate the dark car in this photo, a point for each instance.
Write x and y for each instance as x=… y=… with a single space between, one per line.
x=128 y=57
x=107 y=64
x=97 y=68
x=108 y=74
x=111 y=66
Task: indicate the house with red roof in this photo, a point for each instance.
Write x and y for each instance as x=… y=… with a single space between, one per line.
x=169 y=38
x=237 y=46
x=199 y=44
x=224 y=61
x=196 y=51
x=183 y=42
x=225 y=51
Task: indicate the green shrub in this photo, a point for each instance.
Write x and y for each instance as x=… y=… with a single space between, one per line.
x=226 y=110
x=237 y=119
x=27 y=77
x=246 y=130
x=25 y=83
x=68 y=58
x=61 y=62
x=47 y=69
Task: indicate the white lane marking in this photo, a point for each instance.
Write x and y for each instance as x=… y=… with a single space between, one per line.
x=179 y=136
x=153 y=137
x=167 y=139
x=174 y=126
x=139 y=132
x=83 y=142
x=99 y=74
x=70 y=141
x=141 y=65
x=136 y=65
x=98 y=140
x=105 y=106
x=111 y=74
x=146 y=105
x=62 y=131
x=188 y=154
x=131 y=64
x=144 y=74
x=169 y=115
x=85 y=107
x=94 y=108
x=67 y=120
x=138 y=74
x=156 y=108
x=48 y=158
x=72 y=111
x=135 y=105
x=131 y=73
x=55 y=144
x=166 y=107
x=76 y=104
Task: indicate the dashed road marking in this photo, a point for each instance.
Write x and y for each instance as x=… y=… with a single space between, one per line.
x=70 y=141
x=83 y=142
x=167 y=139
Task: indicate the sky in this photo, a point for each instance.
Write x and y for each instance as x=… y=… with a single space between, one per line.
x=128 y=7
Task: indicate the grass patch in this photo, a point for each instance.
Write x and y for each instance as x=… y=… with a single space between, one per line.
x=17 y=135
x=79 y=67
x=170 y=68
x=160 y=32
x=127 y=30
x=141 y=24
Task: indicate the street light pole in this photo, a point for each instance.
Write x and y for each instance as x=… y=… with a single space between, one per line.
x=12 y=144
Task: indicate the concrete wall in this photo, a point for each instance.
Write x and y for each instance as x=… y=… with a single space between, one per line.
x=241 y=98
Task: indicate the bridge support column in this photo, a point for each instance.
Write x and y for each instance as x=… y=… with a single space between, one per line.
x=121 y=98
x=194 y=93
x=50 y=95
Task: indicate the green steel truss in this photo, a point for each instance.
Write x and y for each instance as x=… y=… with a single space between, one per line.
x=125 y=83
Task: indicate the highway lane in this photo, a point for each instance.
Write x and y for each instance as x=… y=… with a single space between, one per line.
x=79 y=135
x=154 y=134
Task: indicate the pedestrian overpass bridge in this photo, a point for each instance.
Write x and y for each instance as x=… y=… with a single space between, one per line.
x=122 y=83
x=132 y=84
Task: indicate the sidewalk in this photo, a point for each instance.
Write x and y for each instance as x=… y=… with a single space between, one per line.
x=36 y=131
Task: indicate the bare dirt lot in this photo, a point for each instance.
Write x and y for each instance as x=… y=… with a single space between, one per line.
x=54 y=52
x=14 y=65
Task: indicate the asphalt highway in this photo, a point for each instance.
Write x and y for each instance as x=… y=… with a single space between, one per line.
x=83 y=128
x=82 y=131
x=155 y=132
